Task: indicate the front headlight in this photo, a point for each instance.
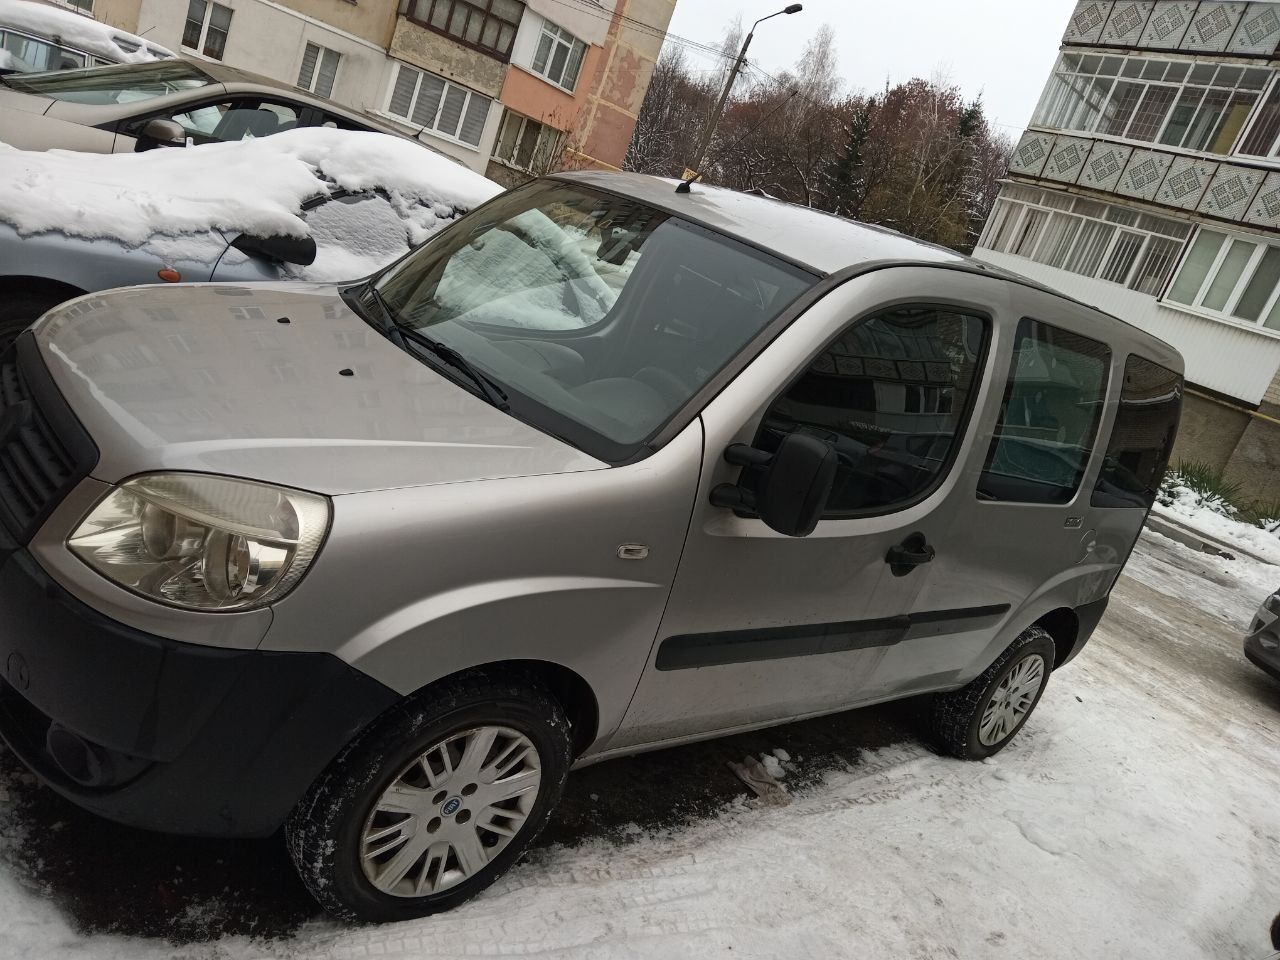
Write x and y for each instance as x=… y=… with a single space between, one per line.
x=203 y=542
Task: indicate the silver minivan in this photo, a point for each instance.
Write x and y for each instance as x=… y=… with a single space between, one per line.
x=604 y=466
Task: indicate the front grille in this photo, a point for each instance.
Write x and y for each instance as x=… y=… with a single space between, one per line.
x=44 y=451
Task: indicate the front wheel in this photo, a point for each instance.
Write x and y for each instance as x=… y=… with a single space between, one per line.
x=980 y=719
x=19 y=310
x=434 y=802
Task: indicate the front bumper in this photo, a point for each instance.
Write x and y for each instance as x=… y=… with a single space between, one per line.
x=1262 y=643
x=161 y=734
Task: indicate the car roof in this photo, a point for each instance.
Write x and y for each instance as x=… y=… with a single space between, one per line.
x=821 y=242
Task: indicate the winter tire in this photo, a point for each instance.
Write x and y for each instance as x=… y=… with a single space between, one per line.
x=980 y=719
x=19 y=311
x=432 y=803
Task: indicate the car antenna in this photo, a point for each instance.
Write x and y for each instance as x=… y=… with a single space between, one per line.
x=684 y=185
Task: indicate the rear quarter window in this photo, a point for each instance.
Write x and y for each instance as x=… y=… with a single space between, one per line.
x=1142 y=438
x=1048 y=418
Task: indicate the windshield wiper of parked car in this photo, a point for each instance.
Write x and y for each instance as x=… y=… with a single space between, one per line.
x=398 y=331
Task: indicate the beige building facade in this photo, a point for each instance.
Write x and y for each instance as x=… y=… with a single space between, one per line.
x=511 y=88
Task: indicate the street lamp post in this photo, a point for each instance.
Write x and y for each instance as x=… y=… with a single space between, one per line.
x=714 y=119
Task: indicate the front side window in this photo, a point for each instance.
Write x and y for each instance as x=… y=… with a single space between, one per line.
x=891 y=395
x=1142 y=438
x=599 y=316
x=1233 y=277
x=559 y=56
x=433 y=103
x=242 y=119
x=117 y=84
x=489 y=25
x=319 y=69
x=1048 y=418
x=206 y=28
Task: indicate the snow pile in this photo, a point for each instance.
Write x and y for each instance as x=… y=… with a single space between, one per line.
x=254 y=186
x=80 y=32
x=1211 y=516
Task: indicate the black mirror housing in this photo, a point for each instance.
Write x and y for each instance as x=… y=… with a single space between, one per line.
x=299 y=250
x=789 y=489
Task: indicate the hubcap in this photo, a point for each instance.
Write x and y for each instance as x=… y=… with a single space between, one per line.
x=1011 y=700
x=450 y=812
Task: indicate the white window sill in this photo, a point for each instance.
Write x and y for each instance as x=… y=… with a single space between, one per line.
x=1257 y=328
x=413 y=129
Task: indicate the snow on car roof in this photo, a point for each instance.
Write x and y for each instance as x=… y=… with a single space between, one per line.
x=81 y=32
x=255 y=186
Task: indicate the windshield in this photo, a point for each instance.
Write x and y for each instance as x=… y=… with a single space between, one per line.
x=600 y=316
x=117 y=84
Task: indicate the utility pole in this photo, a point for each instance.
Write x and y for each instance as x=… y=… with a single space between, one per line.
x=714 y=119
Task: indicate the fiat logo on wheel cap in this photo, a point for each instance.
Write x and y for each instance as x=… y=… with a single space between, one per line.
x=451 y=806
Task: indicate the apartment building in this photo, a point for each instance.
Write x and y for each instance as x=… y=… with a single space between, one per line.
x=512 y=88
x=1148 y=184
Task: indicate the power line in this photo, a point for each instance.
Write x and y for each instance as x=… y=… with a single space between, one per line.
x=652 y=29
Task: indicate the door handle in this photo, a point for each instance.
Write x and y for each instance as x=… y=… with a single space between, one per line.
x=908 y=555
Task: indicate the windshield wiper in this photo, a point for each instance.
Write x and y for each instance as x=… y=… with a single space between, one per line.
x=398 y=331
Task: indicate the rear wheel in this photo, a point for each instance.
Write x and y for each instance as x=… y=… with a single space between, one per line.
x=434 y=802
x=980 y=719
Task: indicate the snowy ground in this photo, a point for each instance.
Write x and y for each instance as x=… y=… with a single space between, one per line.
x=1136 y=816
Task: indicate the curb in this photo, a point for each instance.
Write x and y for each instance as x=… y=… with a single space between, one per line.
x=1190 y=537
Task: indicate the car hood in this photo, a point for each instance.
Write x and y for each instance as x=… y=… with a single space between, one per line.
x=279 y=382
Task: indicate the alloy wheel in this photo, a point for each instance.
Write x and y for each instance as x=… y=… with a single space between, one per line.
x=450 y=811
x=1011 y=700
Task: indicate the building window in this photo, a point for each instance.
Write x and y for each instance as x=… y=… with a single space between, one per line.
x=559 y=56
x=488 y=25
x=1178 y=103
x=526 y=144
x=1231 y=276
x=1086 y=237
x=82 y=6
x=319 y=68
x=1263 y=138
x=435 y=104
x=206 y=28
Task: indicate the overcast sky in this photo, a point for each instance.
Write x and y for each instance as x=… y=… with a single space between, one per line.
x=1002 y=49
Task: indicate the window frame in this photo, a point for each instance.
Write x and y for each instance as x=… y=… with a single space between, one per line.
x=413 y=104
x=411 y=9
x=559 y=36
x=321 y=52
x=963 y=424
x=523 y=122
x=1239 y=288
x=1082 y=486
x=1064 y=85
x=206 y=18
x=1012 y=228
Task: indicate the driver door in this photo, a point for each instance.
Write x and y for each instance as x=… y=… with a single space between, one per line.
x=761 y=627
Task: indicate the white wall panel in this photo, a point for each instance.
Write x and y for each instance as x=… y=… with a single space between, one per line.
x=1222 y=356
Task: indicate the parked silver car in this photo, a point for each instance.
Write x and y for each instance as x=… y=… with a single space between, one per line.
x=1262 y=643
x=140 y=106
x=600 y=468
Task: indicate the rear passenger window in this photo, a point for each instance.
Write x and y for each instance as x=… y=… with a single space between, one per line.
x=892 y=395
x=1049 y=416
x=1142 y=438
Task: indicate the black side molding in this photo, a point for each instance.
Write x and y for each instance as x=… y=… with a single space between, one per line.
x=773 y=643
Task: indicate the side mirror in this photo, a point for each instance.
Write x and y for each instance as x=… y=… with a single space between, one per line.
x=299 y=250
x=164 y=131
x=789 y=489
